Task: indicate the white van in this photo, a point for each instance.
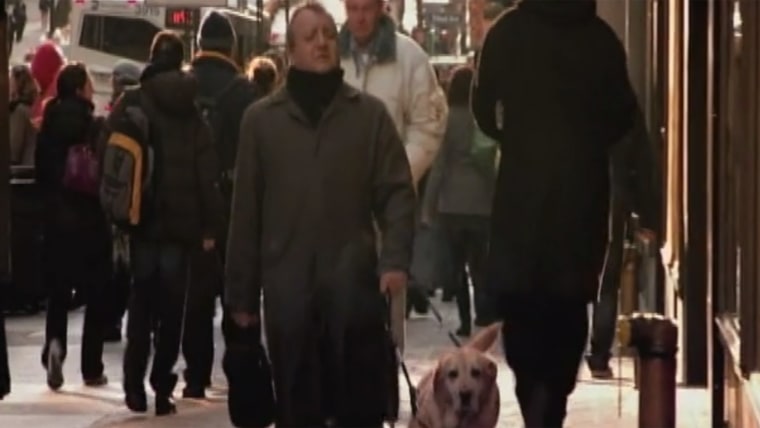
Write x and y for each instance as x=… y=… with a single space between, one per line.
x=105 y=31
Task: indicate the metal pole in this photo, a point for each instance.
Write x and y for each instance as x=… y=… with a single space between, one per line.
x=656 y=341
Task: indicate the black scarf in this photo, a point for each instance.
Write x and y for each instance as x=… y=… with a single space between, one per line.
x=313 y=92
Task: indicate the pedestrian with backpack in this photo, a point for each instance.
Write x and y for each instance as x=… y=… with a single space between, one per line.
x=160 y=183
x=223 y=95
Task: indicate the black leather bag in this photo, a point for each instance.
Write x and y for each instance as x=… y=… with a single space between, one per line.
x=250 y=401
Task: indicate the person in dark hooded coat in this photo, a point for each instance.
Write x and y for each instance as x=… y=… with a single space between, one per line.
x=182 y=212
x=552 y=86
x=223 y=95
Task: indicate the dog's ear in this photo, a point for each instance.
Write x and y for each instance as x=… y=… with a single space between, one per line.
x=491 y=371
x=489 y=397
x=440 y=392
x=485 y=339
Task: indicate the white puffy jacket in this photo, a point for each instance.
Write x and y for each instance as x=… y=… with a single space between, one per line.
x=400 y=74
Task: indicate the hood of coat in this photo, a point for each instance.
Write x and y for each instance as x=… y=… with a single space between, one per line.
x=565 y=12
x=173 y=91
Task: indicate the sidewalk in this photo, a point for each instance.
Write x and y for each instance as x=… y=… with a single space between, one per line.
x=594 y=404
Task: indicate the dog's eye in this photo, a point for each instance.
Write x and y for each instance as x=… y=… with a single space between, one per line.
x=453 y=374
x=475 y=373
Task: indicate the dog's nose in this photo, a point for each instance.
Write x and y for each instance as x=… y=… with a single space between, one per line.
x=465 y=397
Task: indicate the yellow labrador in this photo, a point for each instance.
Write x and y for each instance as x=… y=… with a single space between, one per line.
x=461 y=392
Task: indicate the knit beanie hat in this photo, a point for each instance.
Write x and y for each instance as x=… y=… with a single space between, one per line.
x=167 y=50
x=125 y=71
x=216 y=33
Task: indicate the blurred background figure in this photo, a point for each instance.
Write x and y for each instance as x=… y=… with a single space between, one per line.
x=125 y=74
x=458 y=200
x=18 y=20
x=24 y=92
x=262 y=71
x=45 y=65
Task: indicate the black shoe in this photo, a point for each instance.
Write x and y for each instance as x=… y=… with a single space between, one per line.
x=55 y=365
x=136 y=401
x=165 y=406
x=97 y=381
x=599 y=367
x=419 y=301
x=464 y=331
x=194 y=392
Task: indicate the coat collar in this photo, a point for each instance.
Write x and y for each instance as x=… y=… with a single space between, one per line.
x=216 y=57
x=383 y=47
x=346 y=95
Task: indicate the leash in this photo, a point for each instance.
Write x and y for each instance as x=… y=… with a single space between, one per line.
x=401 y=362
x=439 y=318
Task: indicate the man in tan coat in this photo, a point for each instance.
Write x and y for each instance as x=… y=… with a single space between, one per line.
x=318 y=161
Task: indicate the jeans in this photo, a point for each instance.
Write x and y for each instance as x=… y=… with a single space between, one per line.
x=157 y=299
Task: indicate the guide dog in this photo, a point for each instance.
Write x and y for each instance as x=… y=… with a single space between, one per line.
x=461 y=392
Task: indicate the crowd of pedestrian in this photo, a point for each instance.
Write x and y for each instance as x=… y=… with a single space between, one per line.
x=317 y=199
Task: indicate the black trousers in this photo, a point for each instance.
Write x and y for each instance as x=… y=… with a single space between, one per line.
x=198 y=336
x=156 y=303
x=544 y=340
x=467 y=238
x=117 y=298
x=77 y=255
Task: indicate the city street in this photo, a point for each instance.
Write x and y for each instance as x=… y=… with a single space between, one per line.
x=32 y=405
x=594 y=404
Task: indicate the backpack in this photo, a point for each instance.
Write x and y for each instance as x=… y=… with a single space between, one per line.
x=484 y=152
x=128 y=164
x=211 y=110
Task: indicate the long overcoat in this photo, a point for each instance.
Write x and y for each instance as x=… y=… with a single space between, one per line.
x=304 y=205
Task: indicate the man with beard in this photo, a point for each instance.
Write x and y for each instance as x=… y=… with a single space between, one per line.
x=552 y=87
x=318 y=161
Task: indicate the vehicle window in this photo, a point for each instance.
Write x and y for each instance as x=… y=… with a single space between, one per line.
x=119 y=36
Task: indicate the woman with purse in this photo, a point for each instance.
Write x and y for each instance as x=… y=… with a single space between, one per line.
x=76 y=240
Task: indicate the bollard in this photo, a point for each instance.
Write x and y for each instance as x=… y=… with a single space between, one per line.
x=655 y=339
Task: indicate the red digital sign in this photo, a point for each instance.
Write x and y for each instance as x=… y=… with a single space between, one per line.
x=178 y=18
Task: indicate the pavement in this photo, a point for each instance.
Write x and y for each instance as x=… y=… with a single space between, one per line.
x=594 y=403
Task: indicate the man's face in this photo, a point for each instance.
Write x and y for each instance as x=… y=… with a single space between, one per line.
x=362 y=18
x=314 y=42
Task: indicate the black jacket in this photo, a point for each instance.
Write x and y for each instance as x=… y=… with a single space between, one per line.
x=552 y=86
x=187 y=206
x=219 y=77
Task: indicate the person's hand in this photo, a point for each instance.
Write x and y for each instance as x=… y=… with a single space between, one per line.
x=208 y=244
x=392 y=282
x=646 y=235
x=244 y=319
